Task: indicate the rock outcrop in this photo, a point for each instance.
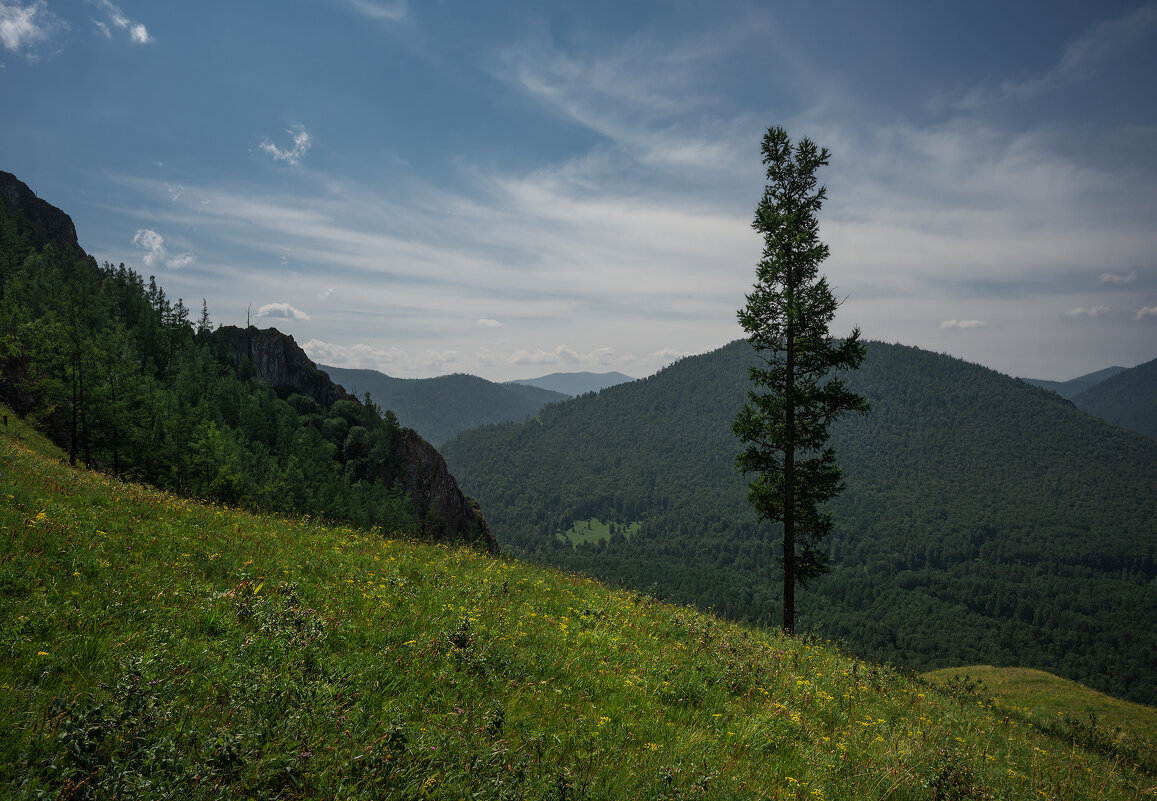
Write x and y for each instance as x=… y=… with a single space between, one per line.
x=443 y=512
x=278 y=359
x=48 y=223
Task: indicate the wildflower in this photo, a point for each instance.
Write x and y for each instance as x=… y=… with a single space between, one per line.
x=42 y=653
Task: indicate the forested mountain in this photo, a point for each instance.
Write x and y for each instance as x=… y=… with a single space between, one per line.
x=1128 y=398
x=126 y=382
x=1073 y=387
x=438 y=408
x=984 y=520
x=574 y=384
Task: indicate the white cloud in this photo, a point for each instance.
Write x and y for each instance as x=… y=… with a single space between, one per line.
x=137 y=31
x=486 y=322
x=1146 y=312
x=281 y=311
x=156 y=253
x=1113 y=278
x=293 y=155
x=1088 y=311
x=963 y=324
x=24 y=26
x=325 y=293
x=153 y=244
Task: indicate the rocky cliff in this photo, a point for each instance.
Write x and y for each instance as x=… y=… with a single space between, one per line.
x=46 y=222
x=277 y=358
x=439 y=505
x=442 y=511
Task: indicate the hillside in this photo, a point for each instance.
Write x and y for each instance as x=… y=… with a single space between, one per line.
x=159 y=648
x=110 y=368
x=439 y=408
x=984 y=520
x=1127 y=399
x=574 y=384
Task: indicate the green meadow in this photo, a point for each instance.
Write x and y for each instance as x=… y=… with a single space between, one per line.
x=595 y=530
x=155 y=647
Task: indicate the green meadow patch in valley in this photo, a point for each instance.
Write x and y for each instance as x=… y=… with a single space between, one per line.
x=594 y=530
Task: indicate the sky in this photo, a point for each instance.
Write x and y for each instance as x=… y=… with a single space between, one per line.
x=511 y=189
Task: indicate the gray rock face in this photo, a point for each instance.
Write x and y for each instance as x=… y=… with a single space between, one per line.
x=50 y=224
x=442 y=510
x=278 y=359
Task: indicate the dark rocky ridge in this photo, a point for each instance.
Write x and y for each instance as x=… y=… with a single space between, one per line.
x=437 y=501
x=443 y=512
x=278 y=359
x=47 y=223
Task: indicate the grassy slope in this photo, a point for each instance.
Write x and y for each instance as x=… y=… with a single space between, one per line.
x=154 y=647
x=1046 y=698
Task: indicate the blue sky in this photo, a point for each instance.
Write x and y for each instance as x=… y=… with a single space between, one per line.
x=512 y=189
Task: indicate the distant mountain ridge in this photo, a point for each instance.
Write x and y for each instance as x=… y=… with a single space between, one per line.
x=439 y=408
x=575 y=384
x=1124 y=396
x=984 y=520
x=1075 y=386
x=1127 y=398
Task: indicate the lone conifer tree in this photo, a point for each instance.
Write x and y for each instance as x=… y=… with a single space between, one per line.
x=796 y=394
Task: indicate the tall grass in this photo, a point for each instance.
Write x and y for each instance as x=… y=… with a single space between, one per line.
x=157 y=648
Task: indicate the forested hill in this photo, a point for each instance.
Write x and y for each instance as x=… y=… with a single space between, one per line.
x=439 y=408
x=121 y=377
x=1129 y=399
x=984 y=520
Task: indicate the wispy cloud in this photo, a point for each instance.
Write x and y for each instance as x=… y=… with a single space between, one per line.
x=636 y=95
x=486 y=322
x=1088 y=311
x=1116 y=278
x=292 y=156
x=962 y=325
x=384 y=10
x=22 y=27
x=392 y=361
x=1147 y=312
x=281 y=311
x=138 y=33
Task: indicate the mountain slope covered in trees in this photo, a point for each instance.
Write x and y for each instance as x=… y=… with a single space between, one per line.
x=128 y=383
x=439 y=408
x=984 y=520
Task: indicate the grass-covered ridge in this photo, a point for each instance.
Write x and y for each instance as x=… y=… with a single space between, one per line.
x=153 y=647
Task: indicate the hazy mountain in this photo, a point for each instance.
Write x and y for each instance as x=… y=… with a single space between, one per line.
x=575 y=384
x=985 y=521
x=1075 y=386
x=1128 y=398
x=438 y=408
